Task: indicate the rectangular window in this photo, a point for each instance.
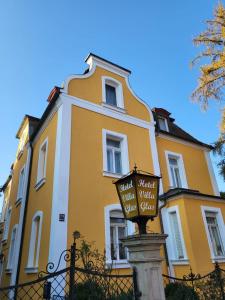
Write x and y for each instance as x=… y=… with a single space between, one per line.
x=214 y=233
x=7 y=223
x=117 y=232
x=176 y=235
x=12 y=248
x=176 y=171
x=114 y=156
x=21 y=185
x=110 y=92
x=163 y=124
x=42 y=163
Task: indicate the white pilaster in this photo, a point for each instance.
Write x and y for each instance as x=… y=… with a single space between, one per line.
x=60 y=197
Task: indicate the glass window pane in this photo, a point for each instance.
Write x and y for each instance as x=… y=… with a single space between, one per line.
x=162 y=124
x=176 y=235
x=177 y=177
x=173 y=161
x=118 y=168
x=113 y=143
x=112 y=244
x=110 y=95
x=110 y=160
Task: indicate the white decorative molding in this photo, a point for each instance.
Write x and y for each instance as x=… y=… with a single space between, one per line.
x=103 y=110
x=211 y=173
x=169 y=242
x=130 y=228
x=119 y=91
x=181 y=168
x=221 y=226
x=35 y=241
x=124 y=150
x=60 y=197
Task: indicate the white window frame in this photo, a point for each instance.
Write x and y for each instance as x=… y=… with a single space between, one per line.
x=41 y=176
x=35 y=240
x=11 y=253
x=7 y=224
x=124 y=152
x=117 y=264
x=4 y=209
x=166 y=123
x=172 y=252
x=119 y=92
x=220 y=222
x=181 y=167
x=21 y=185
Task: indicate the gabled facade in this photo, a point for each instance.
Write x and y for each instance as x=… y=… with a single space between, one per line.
x=92 y=132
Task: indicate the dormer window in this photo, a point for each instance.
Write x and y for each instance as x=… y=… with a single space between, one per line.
x=112 y=93
x=163 y=125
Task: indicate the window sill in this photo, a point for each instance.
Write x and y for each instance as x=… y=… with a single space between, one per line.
x=39 y=184
x=112 y=107
x=20 y=154
x=119 y=264
x=218 y=259
x=113 y=175
x=31 y=270
x=183 y=261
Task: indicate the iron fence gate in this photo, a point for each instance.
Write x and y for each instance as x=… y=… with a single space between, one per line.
x=75 y=283
x=208 y=287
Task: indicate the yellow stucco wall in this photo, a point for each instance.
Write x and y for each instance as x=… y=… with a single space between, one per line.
x=90 y=191
x=195 y=165
x=40 y=200
x=90 y=89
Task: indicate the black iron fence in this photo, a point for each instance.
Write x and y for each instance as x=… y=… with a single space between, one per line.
x=196 y=287
x=89 y=282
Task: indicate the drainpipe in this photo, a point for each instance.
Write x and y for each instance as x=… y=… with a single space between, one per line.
x=24 y=217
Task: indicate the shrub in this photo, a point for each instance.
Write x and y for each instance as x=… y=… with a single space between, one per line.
x=180 y=291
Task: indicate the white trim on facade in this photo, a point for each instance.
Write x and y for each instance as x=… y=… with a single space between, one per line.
x=7 y=224
x=42 y=164
x=124 y=151
x=35 y=243
x=108 y=112
x=20 y=191
x=119 y=90
x=181 y=168
x=221 y=226
x=174 y=260
x=211 y=173
x=60 y=197
x=12 y=249
x=130 y=228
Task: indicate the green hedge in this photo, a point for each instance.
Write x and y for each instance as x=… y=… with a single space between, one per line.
x=179 y=291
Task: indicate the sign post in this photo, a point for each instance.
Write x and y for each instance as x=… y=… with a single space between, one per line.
x=138 y=193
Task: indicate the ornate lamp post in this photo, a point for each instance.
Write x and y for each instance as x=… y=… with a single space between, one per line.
x=138 y=193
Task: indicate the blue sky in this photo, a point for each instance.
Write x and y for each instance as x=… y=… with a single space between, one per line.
x=43 y=42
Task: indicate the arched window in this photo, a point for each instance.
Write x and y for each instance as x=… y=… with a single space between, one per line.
x=11 y=254
x=35 y=241
x=116 y=227
x=112 y=92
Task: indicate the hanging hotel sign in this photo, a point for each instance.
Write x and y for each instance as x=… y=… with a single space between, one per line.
x=138 y=194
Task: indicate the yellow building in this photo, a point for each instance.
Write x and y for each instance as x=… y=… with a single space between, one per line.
x=94 y=130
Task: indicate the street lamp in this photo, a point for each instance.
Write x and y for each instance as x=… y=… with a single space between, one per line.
x=138 y=193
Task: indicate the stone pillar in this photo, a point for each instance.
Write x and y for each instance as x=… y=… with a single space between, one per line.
x=144 y=255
